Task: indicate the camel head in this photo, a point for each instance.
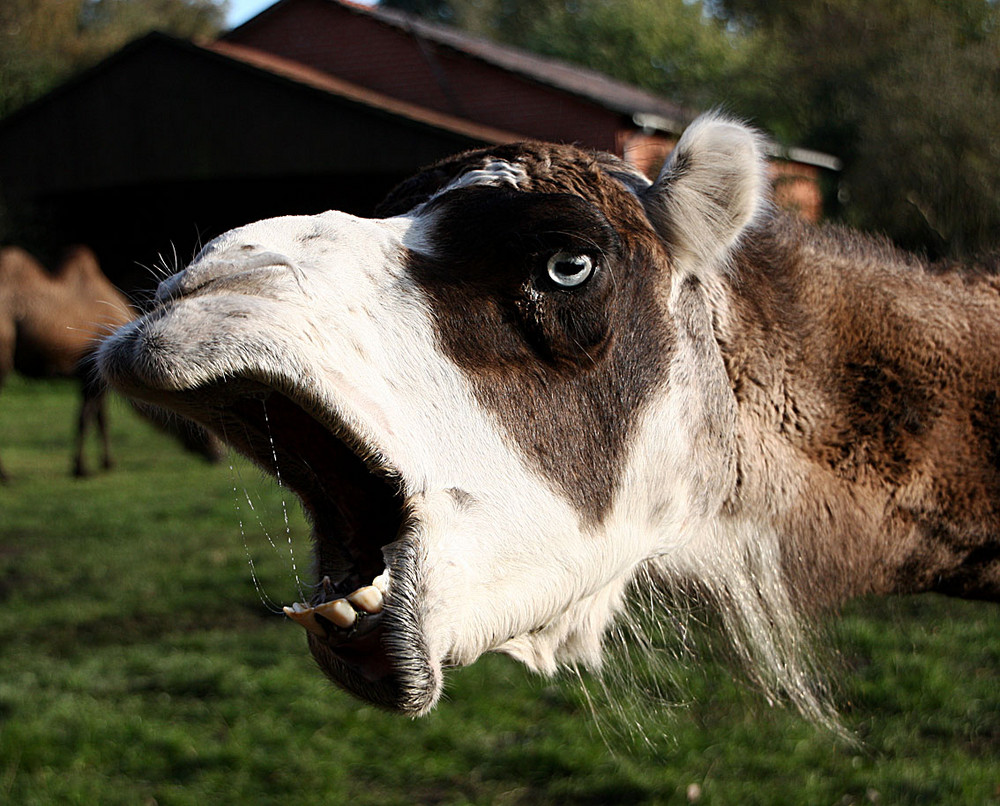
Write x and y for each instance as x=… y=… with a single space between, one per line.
x=489 y=400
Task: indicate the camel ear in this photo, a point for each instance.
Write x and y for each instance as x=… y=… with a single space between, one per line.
x=712 y=188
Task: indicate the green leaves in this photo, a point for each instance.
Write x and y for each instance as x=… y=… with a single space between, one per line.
x=44 y=41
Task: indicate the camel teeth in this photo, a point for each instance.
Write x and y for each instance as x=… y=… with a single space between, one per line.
x=342 y=612
x=305 y=616
x=382 y=582
x=368 y=599
x=338 y=611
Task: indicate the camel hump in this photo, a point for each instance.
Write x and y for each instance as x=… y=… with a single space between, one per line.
x=16 y=262
x=80 y=262
x=78 y=268
x=20 y=275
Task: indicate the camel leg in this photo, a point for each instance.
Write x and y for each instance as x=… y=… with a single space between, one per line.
x=91 y=411
x=79 y=467
x=4 y=478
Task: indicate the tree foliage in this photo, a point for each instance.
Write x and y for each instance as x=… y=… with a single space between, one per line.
x=43 y=41
x=668 y=46
x=905 y=92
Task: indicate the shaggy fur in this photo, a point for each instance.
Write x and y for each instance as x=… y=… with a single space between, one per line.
x=728 y=405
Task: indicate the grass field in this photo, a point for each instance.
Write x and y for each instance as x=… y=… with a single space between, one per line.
x=139 y=664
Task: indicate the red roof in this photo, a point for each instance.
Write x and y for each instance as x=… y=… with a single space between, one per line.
x=324 y=81
x=401 y=56
x=592 y=85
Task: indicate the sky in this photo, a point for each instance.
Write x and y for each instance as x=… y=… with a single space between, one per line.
x=242 y=10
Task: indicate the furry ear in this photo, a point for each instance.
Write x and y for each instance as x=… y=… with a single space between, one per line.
x=712 y=188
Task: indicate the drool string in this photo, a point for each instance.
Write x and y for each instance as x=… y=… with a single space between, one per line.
x=284 y=505
x=264 y=598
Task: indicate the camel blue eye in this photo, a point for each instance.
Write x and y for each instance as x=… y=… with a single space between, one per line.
x=568 y=270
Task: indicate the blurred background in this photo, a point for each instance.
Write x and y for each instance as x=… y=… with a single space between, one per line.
x=882 y=114
x=143 y=656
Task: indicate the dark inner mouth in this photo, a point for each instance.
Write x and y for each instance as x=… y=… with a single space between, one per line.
x=355 y=510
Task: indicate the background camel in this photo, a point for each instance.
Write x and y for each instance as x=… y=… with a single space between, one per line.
x=50 y=324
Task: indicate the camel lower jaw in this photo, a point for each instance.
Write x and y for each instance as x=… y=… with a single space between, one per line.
x=348 y=626
x=378 y=652
x=364 y=625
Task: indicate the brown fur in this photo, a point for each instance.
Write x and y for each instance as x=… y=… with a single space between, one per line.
x=866 y=384
x=869 y=380
x=50 y=324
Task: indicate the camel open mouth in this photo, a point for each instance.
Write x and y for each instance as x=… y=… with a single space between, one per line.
x=362 y=620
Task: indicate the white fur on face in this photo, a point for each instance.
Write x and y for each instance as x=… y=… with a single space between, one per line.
x=322 y=308
x=323 y=303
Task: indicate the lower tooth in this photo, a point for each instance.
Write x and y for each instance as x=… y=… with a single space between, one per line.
x=337 y=611
x=382 y=582
x=306 y=617
x=368 y=599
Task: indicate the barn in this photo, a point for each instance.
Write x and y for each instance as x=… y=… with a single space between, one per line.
x=310 y=105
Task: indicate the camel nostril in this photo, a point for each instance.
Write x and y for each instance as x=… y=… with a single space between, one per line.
x=231 y=267
x=167 y=290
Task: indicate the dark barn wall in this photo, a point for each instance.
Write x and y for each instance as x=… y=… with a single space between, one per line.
x=167 y=144
x=133 y=228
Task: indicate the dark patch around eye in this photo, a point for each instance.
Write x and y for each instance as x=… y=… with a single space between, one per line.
x=565 y=371
x=490 y=249
x=486 y=234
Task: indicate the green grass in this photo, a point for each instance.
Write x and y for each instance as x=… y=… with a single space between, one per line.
x=139 y=665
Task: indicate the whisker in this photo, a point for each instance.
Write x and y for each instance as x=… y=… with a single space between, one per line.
x=96 y=331
x=116 y=305
x=156 y=271
x=199 y=242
